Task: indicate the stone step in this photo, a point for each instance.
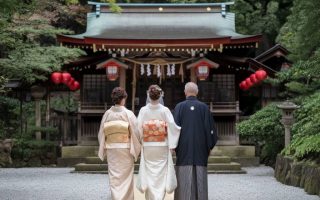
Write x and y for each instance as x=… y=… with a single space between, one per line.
x=216 y=152
x=247 y=161
x=224 y=166
x=78 y=151
x=235 y=151
x=211 y=159
x=136 y=172
x=226 y=172
x=232 y=151
x=95 y=167
x=102 y=167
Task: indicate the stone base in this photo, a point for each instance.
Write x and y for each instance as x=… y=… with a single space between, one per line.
x=245 y=155
x=247 y=161
x=299 y=174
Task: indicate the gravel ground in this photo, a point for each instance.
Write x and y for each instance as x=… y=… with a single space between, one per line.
x=58 y=183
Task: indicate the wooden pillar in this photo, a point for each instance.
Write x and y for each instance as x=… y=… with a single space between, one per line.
x=38 y=118
x=237 y=121
x=193 y=77
x=134 y=85
x=122 y=79
x=79 y=126
x=48 y=114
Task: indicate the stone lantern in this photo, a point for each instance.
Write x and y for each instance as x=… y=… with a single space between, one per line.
x=287 y=120
x=38 y=92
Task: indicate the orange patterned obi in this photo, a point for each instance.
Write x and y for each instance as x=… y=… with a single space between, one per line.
x=116 y=131
x=154 y=131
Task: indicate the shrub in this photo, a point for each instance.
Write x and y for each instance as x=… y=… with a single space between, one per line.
x=265 y=129
x=33 y=153
x=306 y=131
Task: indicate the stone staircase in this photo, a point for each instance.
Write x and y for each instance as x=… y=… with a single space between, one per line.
x=216 y=165
x=222 y=160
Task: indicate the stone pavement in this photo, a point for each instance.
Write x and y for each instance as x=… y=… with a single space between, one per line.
x=59 y=184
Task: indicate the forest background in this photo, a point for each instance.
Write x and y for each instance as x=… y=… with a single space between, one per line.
x=29 y=52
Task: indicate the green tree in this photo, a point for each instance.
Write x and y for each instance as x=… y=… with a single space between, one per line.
x=300 y=34
x=28 y=48
x=262 y=17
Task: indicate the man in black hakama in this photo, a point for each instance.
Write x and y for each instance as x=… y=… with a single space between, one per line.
x=197 y=138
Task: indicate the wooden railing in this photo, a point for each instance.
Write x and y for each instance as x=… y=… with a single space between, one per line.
x=92 y=106
x=226 y=115
x=225 y=108
x=67 y=127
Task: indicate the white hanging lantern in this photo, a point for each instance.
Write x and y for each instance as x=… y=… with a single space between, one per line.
x=112 y=72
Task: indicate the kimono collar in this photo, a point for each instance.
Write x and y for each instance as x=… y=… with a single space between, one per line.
x=117 y=108
x=154 y=106
x=191 y=98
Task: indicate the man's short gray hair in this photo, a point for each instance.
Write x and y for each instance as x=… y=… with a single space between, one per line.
x=191 y=87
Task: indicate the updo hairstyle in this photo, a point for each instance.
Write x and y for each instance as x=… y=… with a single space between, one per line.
x=154 y=92
x=118 y=94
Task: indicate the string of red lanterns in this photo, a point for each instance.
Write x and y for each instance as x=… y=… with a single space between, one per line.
x=65 y=78
x=253 y=79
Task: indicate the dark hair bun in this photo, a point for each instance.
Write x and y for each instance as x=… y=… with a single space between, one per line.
x=118 y=94
x=154 y=92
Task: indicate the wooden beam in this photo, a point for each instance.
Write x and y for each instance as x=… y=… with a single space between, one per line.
x=134 y=85
x=193 y=77
x=122 y=78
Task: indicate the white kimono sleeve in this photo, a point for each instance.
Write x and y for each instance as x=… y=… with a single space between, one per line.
x=173 y=130
x=140 y=120
x=101 y=137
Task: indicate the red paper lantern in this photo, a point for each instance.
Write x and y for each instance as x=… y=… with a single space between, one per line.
x=71 y=81
x=56 y=77
x=248 y=82
x=261 y=74
x=66 y=77
x=244 y=85
x=253 y=78
x=112 y=72
x=202 y=72
x=75 y=86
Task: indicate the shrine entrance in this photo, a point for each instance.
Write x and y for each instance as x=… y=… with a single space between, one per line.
x=173 y=88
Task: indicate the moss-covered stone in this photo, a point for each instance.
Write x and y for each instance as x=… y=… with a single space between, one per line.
x=301 y=174
x=295 y=175
x=312 y=180
x=282 y=169
x=34 y=162
x=5 y=152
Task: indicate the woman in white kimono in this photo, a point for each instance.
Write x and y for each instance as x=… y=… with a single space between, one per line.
x=119 y=142
x=159 y=135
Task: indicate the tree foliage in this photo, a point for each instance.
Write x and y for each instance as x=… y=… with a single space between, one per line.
x=265 y=129
x=28 y=48
x=301 y=82
x=306 y=130
x=261 y=17
x=300 y=33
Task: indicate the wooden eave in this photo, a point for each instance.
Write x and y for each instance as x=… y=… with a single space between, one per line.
x=256 y=65
x=276 y=51
x=210 y=62
x=113 y=60
x=159 y=43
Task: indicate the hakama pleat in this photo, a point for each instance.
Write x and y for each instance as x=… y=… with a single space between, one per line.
x=192 y=183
